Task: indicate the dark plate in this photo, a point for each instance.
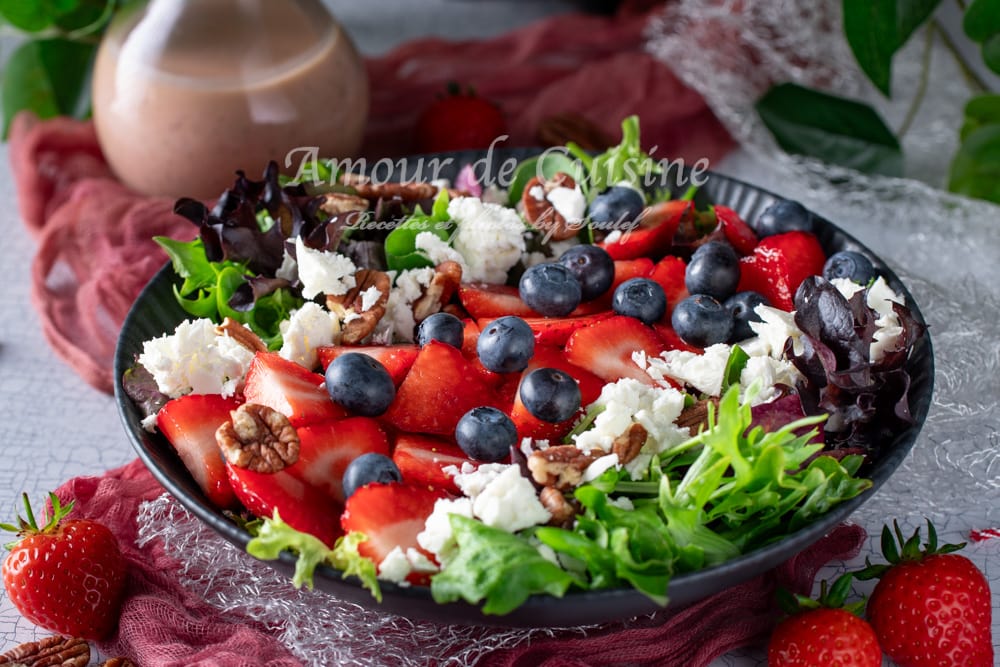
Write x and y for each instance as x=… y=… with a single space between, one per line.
x=156 y=312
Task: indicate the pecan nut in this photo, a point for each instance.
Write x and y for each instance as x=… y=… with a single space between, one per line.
x=447 y=278
x=628 y=445
x=338 y=203
x=562 y=128
x=362 y=306
x=49 y=652
x=542 y=213
x=258 y=438
x=555 y=502
x=411 y=191
x=694 y=417
x=241 y=334
x=561 y=466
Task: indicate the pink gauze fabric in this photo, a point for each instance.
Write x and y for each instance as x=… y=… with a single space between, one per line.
x=165 y=625
x=95 y=236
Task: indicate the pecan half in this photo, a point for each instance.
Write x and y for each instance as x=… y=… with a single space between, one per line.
x=337 y=203
x=412 y=191
x=258 y=438
x=562 y=128
x=555 y=502
x=628 y=445
x=561 y=466
x=49 y=652
x=541 y=213
x=241 y=334
x=447 y=278
x=350 y=307
x=694 y=417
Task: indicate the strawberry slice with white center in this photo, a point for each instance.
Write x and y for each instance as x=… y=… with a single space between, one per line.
x=654 y=234
x=422 y=460
x=190 y=423
x=390 y=515
x=483 y=300
x=326 y=449
x=441 y=386
x=397 y=359
x=737 y=231
x=669 y=274
x=605 y=348
x=556 y=331
x=300 y=505
x=295 y=392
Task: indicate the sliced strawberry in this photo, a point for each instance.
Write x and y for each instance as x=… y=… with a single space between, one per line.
x=290 y=389
x=671 y=340
x=738 y=233
x=778 y=266
x=605 y=348
x=624 y=270
x=470 y=337
x=488 y=300
x=190 y=423
x=441 y=386
x=669 y=273
x=422 y=459
x=326 y=449
x=397 y=359
x=556 y=330
x=390 y=515
x=655 y=234
x=300 y=505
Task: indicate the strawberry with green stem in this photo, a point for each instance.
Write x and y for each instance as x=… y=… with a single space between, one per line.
x=67 y=576
x=823 y=632
x=931 y=606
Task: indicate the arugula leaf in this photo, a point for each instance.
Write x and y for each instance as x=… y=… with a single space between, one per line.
x=834 y=129
x=401 y=243
x=497 y=567
x=626 y=162
x=735 y=364
x=981 y=20
x=274 y=536
x=876 y=29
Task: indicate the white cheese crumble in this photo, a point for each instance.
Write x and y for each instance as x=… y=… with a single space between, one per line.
x=627 y=401
x=438 y=250
x=489 y=237
x=196 y=360
x=570 y=203
x=881 y=298
x=289 y=269
x=370 y=297
x=599 y=466
x=509 y=502
x=398 y=322
x=308 y=327
x=395 y=567
x=703 y=371
x=323 y=272
x=776 y=328
x=436 y=537
x=614 y=236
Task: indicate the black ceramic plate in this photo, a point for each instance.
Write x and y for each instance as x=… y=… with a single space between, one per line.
x=156 y=312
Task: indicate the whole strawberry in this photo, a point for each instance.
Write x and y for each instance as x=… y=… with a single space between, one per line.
x=823 y=632
x=930 y=606
x=459 y=120
x=67 y=576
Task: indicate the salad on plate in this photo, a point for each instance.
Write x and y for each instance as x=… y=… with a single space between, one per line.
x=576 y=382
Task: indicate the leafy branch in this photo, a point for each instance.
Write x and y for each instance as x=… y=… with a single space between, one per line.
x=853 y=134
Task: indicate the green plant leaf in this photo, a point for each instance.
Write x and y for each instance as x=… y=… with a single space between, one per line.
x=991 y=52
x=552 y=162
x=50 y=77
x=35 y=15
x=979 y=111
x=876 y=29
x=982 y=20
x=834 y=129
x=975 y=169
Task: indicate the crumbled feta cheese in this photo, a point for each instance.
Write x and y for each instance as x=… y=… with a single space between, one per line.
x=614 y=236
x=306 y=329
x=195 y=359
x=473 y=480
x=289 y=269
x=323 y=272
x=770 y=372
x=627 y=401
x=881 y=298
x=436 y=537
x=570 y=203
x=438 y=250
x=409 y=286
x=847 y=287
x=370 y=297
x=599 y=466
x=509 y=502
x=530 y=259
x=622 y=502
x=703 y=371
x=489 y=237
x=537 y=193
x=559 y=247
x=149 y=423
x=395 y=567
x=419 y=562
x=777 y=327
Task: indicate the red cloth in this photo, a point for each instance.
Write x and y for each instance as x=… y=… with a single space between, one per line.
x=95 y=249
x=165 y=625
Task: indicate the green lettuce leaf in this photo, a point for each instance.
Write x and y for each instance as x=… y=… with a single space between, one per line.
x=626 y=162
x=401 y=244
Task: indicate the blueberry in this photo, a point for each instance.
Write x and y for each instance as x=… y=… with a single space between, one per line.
x=641 y=298
x=593 y=268
x=550 y=394
x=618 y=207
x=360 y=383
x=742 y=305
x=849 y=264
x=506 y=345
x=486 y=434
x=550 y=289
x=784 y=216
x=443 y=327
x=369 y=468
x=701 y=321
x=714 y=270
